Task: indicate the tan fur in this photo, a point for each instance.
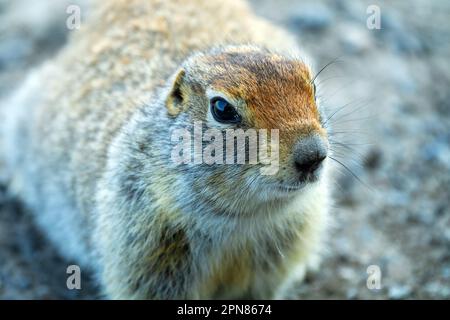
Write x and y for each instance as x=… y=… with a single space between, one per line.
x=93 y=128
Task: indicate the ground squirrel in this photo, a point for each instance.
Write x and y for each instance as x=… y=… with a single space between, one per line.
x=87 y=145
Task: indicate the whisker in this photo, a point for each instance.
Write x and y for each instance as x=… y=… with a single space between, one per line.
x=363 y=105
x=335 y=92
x=358 y=103
x=332 y=141
x=343 y=153
x=356 y=119
x=359 y=158
x=353 y=150
x=350 y=143
x=331 y=133
x=357 y=161
x=324 y=67
x=335 y=112
x=351 y=172
x=321 y=82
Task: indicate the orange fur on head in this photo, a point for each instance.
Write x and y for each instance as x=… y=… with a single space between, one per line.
x=278 y=92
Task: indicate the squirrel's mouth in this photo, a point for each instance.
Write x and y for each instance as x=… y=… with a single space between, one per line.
x=288 y=188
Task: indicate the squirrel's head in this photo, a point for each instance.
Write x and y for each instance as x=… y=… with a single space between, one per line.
x=266 y=95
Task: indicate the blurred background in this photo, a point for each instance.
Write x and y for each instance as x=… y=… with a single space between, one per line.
x=387 y=92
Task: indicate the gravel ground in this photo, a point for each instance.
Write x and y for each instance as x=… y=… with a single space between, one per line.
x=391 y=131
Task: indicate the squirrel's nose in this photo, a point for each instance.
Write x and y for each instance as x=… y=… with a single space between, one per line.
x=309 y=166
x=309 y=154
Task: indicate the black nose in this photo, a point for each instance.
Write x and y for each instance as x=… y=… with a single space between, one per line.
x=309 y=154
x=309 y=166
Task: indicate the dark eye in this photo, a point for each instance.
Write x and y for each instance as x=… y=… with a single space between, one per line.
x=223 y=111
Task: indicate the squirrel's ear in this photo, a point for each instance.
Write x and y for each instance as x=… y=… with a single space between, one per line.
x=175 y=101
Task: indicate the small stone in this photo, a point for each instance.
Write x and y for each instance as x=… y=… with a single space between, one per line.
x=435 y=289
x=347 y=273
x=398 y=37
x=312 y=17
x=436 y=152
x=13 y=51
x=355 y=40
x=397 y=198
x=373 y=159
x=408 y=43
x=352 y=293
x=399 y=292
x=446 y=272
x=401 y=77
x=423 y=216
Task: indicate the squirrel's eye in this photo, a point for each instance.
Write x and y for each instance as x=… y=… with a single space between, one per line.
x=223 y=111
